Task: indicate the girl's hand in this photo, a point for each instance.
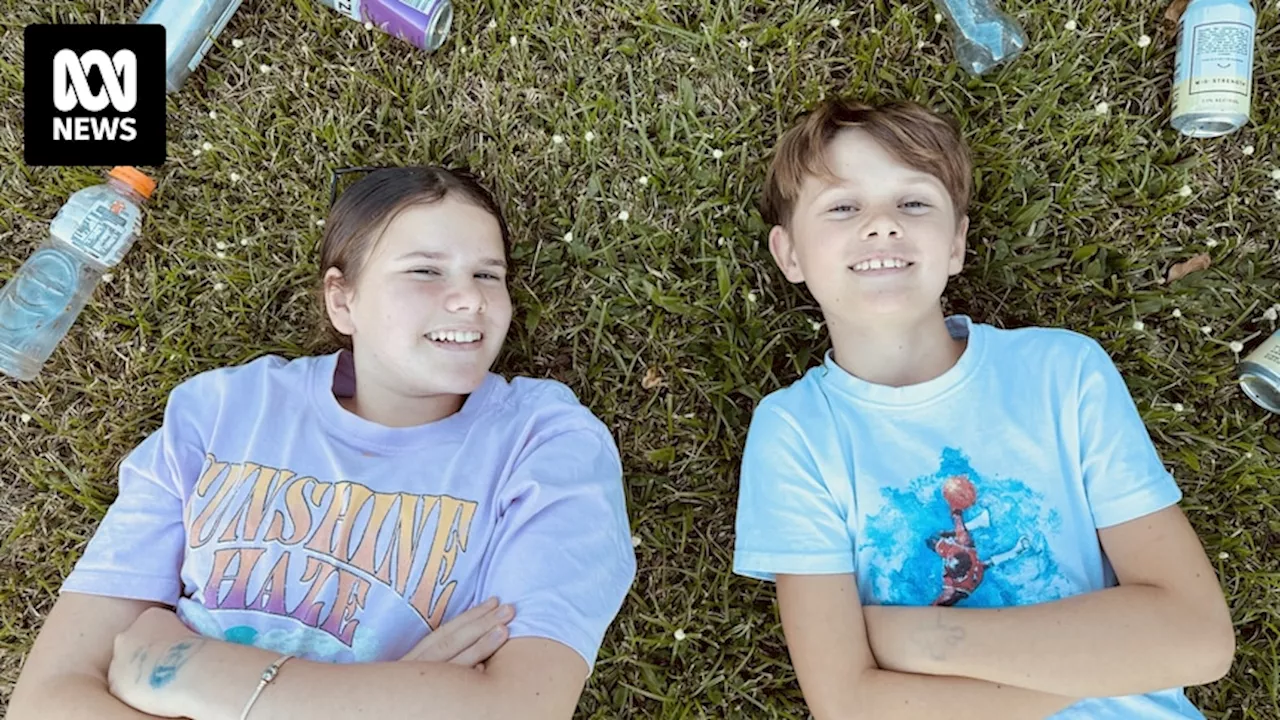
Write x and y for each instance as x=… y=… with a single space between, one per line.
x=148 y=658
x=469 y=639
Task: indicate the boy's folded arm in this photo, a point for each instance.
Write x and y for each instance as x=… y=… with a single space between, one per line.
x=1166 y=625
x=822 y=620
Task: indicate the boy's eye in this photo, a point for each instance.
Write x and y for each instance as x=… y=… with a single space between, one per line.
x=425 y=271
x=488 y=276
x=842 y=208
x=916 y=204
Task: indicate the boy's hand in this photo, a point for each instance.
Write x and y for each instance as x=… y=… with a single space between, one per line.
x=469 y=639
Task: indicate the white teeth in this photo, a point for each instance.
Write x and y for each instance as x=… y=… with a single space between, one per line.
x=880 y=264
x=457 y=336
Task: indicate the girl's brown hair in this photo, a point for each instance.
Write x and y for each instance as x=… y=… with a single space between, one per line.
x=363 y=211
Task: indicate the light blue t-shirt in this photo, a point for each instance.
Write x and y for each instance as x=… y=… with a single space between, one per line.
x=984 y=487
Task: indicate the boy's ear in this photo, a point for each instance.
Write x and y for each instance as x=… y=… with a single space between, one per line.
x=337 y=302
x=783 y=249
x=958 y=246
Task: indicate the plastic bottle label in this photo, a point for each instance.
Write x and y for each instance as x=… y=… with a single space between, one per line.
x=105 y=232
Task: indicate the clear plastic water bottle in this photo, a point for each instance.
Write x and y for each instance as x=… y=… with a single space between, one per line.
x=90 y=234
x=190 y=27
x=983 y=35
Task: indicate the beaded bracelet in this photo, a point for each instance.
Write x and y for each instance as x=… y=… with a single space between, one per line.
x=267 y=676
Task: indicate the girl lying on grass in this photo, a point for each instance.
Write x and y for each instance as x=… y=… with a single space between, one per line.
x=348 y=524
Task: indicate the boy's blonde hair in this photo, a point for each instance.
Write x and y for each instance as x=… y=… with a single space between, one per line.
x=920 y=138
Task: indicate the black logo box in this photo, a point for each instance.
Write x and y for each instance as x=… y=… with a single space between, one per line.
x=41 y=44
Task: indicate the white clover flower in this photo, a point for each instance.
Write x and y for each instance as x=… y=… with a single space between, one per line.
x=1177 y=407
x=1207 y=329
x=589 y=136
x=834 y=22
x=219 y=287
x=624 y=216
x=25 y=418
x=557 y=139
x=1247 y=149
x=817 y=326
x=717 y=153
x=919 y=44
x=751 y=297
x=264 y=68
x=493 y=24
x=368 y=26
x=1144 y=41
x=1236 y=346
x=244 y=242
x=1139 y=325
x=1070 y=25
x=220 y=245
x=751 y=68
x=635 y=541
x=644 y=180
x=235 y=177
x=1271 y=313
x=108 y=277
x=568 y=237
x=937 y=17
x=207 y=146
x=1211 y=242
x=320 y=222
x=237 y=43
x=213 y=114
x=1224 y=555
x=195 y=153
x=1185 y=191
x=1177 y=313
x=743 y=44
x=514 y=42
x=1275 y=174
x=221 y=255
x=679 y=635
x=1102 y=108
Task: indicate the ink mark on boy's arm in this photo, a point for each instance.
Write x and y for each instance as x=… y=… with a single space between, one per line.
x=938 y=638
x=139 y=660
x=167 y=668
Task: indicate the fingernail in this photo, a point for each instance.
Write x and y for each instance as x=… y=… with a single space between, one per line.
x=491 y=602
x=498 y=632
x=506 y=611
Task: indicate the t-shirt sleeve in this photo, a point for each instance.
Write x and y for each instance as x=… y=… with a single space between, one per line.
x=138 y=548
x=562 y=552
x=788 y=521
x=1124 y=478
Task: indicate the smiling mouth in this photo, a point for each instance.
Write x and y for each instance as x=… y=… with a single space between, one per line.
x=880 y=264
x=456 y=337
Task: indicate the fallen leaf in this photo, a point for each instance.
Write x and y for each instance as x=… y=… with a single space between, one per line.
x=1173 y=16
x=1183 y=269
x=652 y=379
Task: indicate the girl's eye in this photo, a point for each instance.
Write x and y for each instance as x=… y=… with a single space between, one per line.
x=425 y=271
x=916 y=204
x=487 y=276
x=842 y=208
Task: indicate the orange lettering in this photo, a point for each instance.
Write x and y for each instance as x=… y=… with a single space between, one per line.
x=451 y=538
x=317 y=573
x=196 y=536
x=364 y=559
x=271 y=597
x=352 y=592
x=299 y=514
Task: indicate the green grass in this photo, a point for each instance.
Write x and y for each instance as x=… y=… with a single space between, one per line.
x=1076 y=219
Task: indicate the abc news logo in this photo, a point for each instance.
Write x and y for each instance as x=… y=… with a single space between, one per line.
x=94 y=95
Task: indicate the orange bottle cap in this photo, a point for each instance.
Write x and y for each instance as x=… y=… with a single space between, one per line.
x=134 y=179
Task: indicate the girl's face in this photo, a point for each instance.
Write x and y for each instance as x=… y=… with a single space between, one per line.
x=430 y=308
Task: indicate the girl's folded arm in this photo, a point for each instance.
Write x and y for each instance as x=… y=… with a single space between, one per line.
x=65 y=675
x=823 y=622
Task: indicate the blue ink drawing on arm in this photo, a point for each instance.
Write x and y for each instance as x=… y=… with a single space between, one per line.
x=167 y=668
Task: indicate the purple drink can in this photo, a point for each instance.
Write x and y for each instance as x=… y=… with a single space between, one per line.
x=422 y=23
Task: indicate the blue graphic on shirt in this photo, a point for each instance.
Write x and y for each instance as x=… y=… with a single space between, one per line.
x=303 y=641
x=958 y=537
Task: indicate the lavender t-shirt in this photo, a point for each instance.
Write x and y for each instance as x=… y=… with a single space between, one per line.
x=270 y=516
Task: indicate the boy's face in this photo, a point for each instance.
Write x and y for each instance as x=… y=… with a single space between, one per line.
x=431 y=308
x=875 y=244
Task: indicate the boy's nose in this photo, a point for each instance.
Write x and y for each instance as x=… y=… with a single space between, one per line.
x=882 y=226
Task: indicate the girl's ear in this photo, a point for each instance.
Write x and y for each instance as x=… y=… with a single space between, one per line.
x=338 y=299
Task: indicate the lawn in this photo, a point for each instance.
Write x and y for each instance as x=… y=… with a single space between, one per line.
x=627 y=141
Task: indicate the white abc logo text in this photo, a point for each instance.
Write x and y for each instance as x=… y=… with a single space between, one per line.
x=119 y=80
x=71 y=90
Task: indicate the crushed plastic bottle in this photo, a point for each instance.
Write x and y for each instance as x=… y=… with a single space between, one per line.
x=983 y=35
